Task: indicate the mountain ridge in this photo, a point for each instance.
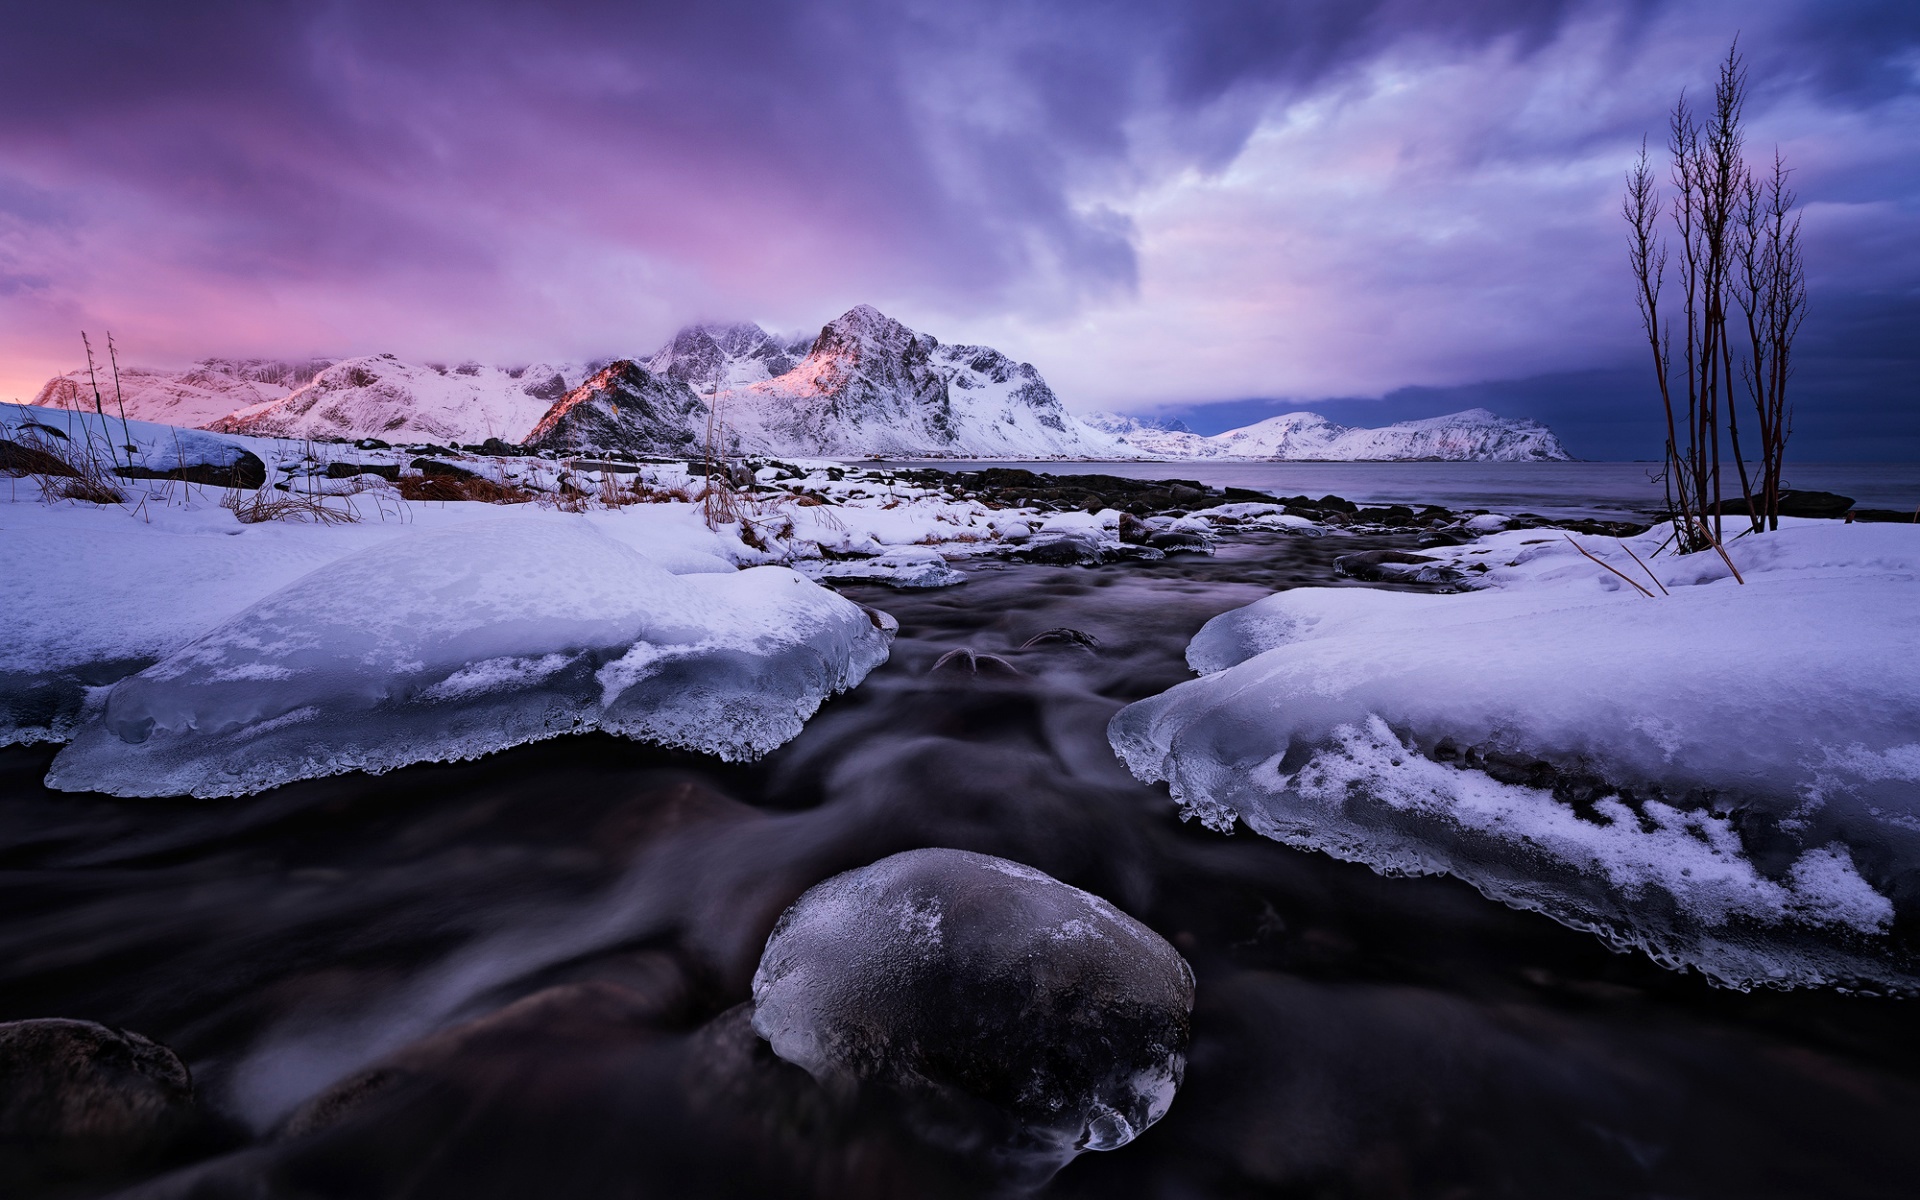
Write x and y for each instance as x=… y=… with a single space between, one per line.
x=866 y=385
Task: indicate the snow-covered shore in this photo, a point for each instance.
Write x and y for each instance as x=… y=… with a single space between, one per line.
x=1724 y=774
x=185 y=649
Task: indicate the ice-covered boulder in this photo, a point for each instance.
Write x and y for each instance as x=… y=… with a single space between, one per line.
x=457 y=642
x=964 y=980
x=901 y=567
x=1726 y=775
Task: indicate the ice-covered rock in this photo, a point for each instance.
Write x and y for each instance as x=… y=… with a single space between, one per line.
x=965 y=980
x=457 y=642
x=1083 y=539
x=901 y=567
x=1725 y=775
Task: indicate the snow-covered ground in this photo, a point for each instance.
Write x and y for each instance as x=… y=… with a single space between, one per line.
x=1724 y=774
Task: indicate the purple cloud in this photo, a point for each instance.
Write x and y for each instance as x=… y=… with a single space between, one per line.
x=512 y=180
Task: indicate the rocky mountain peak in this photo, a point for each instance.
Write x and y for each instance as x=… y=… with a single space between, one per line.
x=622 y=407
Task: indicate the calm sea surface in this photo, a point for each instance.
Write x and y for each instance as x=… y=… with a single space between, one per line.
x=1571 y=488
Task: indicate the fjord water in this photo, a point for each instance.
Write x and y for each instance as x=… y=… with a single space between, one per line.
x=1354 y=1035
x=1553 y=489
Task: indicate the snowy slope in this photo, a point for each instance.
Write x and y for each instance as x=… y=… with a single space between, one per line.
x=380 y=396
x=203 y=393
x=1473 y=435
x=870 y=385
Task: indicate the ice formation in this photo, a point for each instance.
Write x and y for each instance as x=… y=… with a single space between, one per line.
x=460 y=641
x=964 y=980
x=1725 y=775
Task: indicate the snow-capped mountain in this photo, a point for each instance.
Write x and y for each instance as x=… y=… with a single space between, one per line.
x=199 y=395
x=717 y=358
x=870 y=385
x=1473 y=435
x=623 y=407
x=865 y=385
x=380 y=396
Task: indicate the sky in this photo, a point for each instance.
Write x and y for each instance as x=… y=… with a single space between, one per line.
x=1217 y=210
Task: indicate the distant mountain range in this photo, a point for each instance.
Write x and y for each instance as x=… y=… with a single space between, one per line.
x=1475 y=434
x=864 y=385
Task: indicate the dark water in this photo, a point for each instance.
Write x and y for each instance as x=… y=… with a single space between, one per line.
x=1354 y=1035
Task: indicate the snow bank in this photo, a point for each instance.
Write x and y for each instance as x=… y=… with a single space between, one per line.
x=453 y=643
x=1726 y=776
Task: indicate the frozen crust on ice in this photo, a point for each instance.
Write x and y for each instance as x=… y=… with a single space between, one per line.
x=455 y=643
x=1725 y=776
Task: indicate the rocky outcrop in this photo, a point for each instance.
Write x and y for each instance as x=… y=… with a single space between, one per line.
x=623 y=409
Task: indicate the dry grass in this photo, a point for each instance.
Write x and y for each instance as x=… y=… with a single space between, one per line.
x=450 y=488
x=268 y=504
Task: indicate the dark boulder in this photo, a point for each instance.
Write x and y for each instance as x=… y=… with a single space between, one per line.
x=245 y=471
x=348 y=470
x=16 y=459
x=433 y=468
x=82 y=1101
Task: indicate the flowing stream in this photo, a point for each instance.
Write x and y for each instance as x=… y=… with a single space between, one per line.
x=1355 y=1035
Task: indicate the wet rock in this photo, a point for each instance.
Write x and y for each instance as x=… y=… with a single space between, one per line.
x=969 y=663
x=971 y=985
x=1062 y=637
x=1179 y=541
x=1079 y=550
x=481 y=1049
x=79 y=1100
x=1394 y=566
